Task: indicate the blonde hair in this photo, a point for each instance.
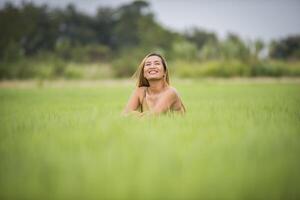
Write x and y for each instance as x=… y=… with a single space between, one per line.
x=142 y=81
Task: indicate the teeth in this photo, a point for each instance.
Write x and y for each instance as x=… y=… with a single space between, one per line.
x=152 y=72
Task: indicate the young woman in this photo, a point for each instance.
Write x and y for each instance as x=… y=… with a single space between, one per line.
x=153 y=94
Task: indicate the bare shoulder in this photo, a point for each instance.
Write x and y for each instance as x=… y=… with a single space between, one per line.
x=140 y=91
x=177 y=104
x=173 y=92
x=170 y=94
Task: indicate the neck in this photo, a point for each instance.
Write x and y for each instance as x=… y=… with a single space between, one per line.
x=157 y=86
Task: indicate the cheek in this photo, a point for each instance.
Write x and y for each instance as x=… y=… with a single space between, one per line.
x=144 y=73
x=162 y=70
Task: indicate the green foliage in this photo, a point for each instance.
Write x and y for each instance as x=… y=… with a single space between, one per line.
x=201 y=37
x=82 y=53
x=210 y=51
x=211 y=68
x=21 y=69
x=234 y=48
x=51 y=67
x=287 y=48
x=88 y=71
x=12 y=52
x=40 y=41
x=268 y=69
x=128 y=61
x=234 y=68
x=237 y=141
x=73 y=72
x=183 y=49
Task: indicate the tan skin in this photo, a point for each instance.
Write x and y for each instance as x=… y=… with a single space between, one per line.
x=160 y=96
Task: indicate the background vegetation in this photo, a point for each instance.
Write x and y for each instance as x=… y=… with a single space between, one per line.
x=49 y=43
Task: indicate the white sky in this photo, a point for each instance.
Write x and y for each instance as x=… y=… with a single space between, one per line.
x=264 y=19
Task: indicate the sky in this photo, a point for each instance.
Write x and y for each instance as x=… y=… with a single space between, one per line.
x=251 y=19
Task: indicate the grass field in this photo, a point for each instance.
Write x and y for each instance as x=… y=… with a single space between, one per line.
x=238 y=140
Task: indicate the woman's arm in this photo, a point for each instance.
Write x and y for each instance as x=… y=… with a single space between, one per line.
x=165 y=102
x=170 y=101
x=133 y=103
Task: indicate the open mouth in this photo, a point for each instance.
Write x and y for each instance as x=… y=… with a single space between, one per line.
x=153 y=72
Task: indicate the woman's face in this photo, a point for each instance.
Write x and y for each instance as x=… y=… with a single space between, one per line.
x=153 y=68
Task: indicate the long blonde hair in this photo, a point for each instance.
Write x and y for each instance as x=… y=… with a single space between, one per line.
x=142 y=81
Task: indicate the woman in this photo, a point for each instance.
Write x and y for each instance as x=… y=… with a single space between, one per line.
x=153 y=95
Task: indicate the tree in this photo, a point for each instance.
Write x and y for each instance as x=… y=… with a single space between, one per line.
x=201 y=37
x=10 y=36
x=287 y=48
x=127 y=24
x=105 y=22
x=234 y=48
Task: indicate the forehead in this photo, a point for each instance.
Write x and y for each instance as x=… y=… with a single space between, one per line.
x=153 y=59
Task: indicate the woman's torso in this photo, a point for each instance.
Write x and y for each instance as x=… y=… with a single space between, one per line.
x=148 y=102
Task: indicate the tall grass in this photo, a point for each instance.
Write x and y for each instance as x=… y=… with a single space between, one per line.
x=237 y=141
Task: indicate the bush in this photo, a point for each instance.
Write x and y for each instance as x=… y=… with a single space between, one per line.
x=268 y=69
x=233 y=68
x=73 y=72
x=210 y=68
x=49 y=66
x=21 y=69
x=82 y=53
x=88 y=71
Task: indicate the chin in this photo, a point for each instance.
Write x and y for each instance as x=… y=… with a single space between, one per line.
x=153 y=78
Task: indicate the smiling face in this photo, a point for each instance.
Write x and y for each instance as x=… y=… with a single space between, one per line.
x=153 y=68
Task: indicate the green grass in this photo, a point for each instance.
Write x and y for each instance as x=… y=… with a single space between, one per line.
x=237 y=141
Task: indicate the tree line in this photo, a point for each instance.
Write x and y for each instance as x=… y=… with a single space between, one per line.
x=121 y=36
